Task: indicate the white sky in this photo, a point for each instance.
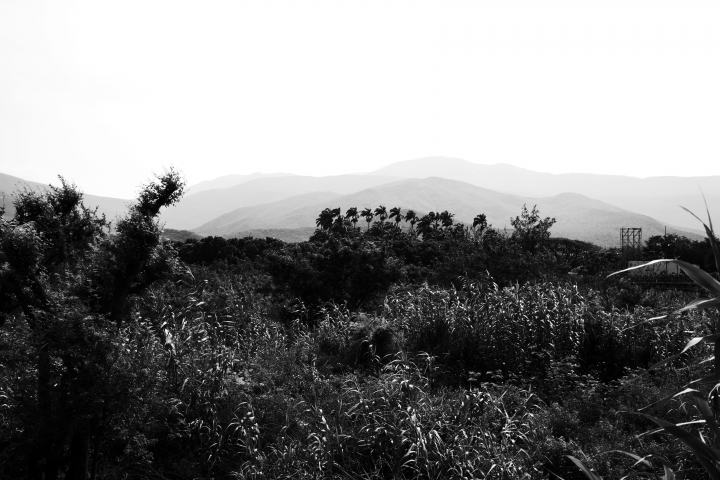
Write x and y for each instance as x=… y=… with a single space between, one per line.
x=107 y=92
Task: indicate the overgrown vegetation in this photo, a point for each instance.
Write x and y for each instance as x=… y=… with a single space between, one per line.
x=390 y=345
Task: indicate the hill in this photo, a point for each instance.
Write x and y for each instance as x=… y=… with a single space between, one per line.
x=201 y=207
x=227 y=181
x=653 y=196
x=578 y=217
x=108 y=206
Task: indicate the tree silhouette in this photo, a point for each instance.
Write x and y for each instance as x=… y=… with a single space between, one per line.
x=530 y=230
x=352 y=216
x=446 y=219
x=395 y=214
x=325 y=219
x=72 y=282
x=381 y=212
x=411 y=217
x=368 y=215
x=479 y=225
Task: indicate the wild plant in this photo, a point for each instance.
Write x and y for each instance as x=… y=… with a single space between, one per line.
x=706 y=445
x=483 y=327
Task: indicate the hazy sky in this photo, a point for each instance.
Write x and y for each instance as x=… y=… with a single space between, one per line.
x=107 y=92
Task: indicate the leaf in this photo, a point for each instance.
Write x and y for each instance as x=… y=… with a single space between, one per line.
x=663 y=401
x=638 y=459
x=589 y=473
x=704 y=408
x=700 y=303
x=657 y=430
x=636 y=267
x=709 y=231
x=645 y=321
x=708 y=338
x=704 y=380
x=696 y=274
x=705 y=455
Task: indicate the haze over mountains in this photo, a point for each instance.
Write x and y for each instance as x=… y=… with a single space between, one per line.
x=230 y=181
x=586 y=206
x=195 y=210
x=578 y=217
x=653 y=196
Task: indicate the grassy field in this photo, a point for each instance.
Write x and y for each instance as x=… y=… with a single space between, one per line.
x=454 y=352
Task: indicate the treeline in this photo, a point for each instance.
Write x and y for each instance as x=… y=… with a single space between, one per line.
x=698 y=252
x=355 y=264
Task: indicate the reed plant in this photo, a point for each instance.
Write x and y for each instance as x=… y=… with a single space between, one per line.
x=703 y=392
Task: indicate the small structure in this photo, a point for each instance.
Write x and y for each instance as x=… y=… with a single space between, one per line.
x=630 y=244
x=664 y=268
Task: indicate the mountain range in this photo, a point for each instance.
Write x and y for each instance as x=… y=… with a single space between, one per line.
x=587 y=206
x=195 y=210
x=577 y=216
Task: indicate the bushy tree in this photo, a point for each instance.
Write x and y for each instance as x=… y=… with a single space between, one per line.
x=531 y=231
x=70 y=281
x=680 y=247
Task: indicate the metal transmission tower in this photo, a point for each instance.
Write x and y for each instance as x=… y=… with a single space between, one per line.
x=631 y=244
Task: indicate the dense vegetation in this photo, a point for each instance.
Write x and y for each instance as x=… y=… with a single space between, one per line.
x=387 y=346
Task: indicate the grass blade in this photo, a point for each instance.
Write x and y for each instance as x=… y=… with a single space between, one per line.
x=710 y=231
x=699 y=303
x=589 y=473
x=664 y=401
x=705 y=455
x=696 y=274
x=690 y=344
x=704 y=408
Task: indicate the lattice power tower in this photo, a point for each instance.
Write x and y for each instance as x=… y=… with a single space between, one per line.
x=631 y=244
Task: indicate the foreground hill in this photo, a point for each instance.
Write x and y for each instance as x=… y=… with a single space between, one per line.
x=110 y=207
x=578 y=217
x=654 y=196
x=197 y=209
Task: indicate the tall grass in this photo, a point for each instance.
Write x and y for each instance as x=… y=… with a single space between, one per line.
x=703 y=392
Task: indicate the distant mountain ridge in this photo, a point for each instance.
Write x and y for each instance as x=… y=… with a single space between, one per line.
x=578 y=217
x=228 y=181
x=195 y=210
x=659 y=197
x=282 y=202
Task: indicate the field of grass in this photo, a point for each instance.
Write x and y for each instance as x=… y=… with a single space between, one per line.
x=355 y=355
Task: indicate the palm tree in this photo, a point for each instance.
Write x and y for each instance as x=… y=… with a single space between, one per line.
x=426 y=223
x=381 y=212
x=325 y=220
x=338 y=219
x=434 y=220
x=368 y=215
x=479 y=221
x=352 y=215
x=395 y=213
x=411 y=217
x=446 y=219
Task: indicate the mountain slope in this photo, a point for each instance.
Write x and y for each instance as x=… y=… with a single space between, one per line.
x=110 y=207
x=198 y=209
x=287 y=213
x=654 y=196
x=227 y=181
x=578 y=217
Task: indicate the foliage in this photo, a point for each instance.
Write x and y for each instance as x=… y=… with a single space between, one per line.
x=706 y=446
x=673 y=246
x=531 y=231
x=72 y=281
x=410 y=347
